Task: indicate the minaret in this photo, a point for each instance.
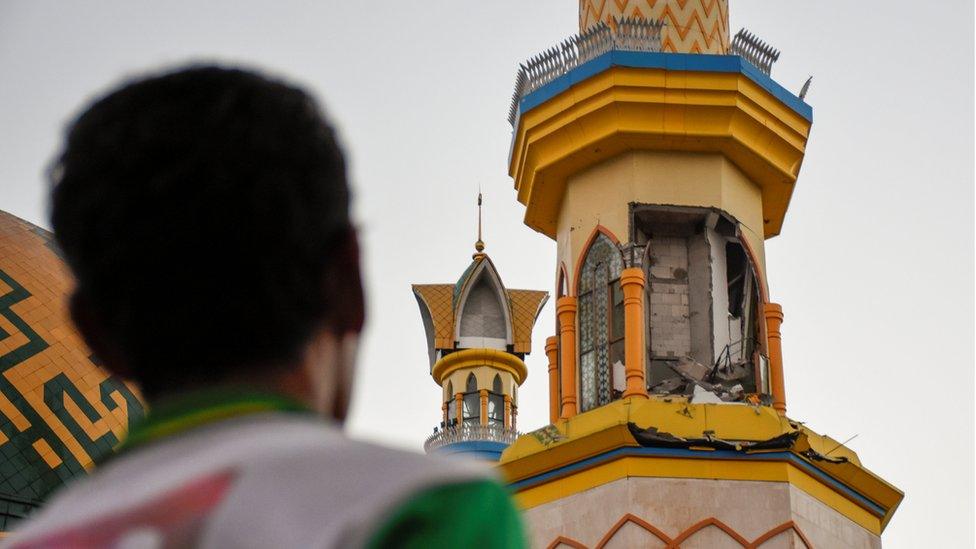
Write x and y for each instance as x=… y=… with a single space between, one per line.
x=478 y=333
x=659 y=155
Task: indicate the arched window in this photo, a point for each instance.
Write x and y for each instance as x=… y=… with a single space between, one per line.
x=601 y=321
x=472 y=401
x=451 y=404
x=496 y=403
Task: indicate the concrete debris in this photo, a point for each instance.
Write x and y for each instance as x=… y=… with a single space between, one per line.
x=733 y=372
x=689 y=368
x=704 y=396
x=694 y=380
x=669 y=386
x=652 y=437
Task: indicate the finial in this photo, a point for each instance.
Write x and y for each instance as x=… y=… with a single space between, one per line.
x=479 y=246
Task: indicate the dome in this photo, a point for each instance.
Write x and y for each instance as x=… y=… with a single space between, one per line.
x=442 y=309
x=60 y=411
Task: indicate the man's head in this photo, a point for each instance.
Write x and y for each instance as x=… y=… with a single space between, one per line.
x=205 y=215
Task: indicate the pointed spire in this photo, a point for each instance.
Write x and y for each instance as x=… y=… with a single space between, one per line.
x=479 y=246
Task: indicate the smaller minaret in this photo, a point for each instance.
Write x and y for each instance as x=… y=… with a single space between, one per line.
x=478 y=333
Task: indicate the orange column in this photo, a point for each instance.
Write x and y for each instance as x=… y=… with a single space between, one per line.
x=552 y=350
x=566 y=313
x=774 y=318
x=508 y=411
x=484 y=406
x=459 y=399
x=444 y=410
x=632 y=284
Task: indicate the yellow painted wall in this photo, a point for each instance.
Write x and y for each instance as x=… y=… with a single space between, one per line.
x=600 y=194
x=485 y=376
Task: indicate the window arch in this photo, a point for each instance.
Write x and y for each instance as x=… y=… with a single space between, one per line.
x=601 y=321
x=482 y=310
x=451 y=404
x=496 y=403
x=471 y=412
x=482 y=315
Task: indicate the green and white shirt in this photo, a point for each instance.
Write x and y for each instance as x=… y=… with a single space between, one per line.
x=258 y=471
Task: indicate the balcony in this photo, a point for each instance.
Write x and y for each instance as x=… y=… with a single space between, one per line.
x=470 y=432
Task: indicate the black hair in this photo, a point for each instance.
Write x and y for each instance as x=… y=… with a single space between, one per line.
x=201 y=212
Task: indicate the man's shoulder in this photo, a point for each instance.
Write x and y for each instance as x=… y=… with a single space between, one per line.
x=365 y=461
x=473 y=513
x=328 y=485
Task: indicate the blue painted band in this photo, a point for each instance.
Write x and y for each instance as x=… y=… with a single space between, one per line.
x=483 y=449
x=667 y=61
x=864 y=502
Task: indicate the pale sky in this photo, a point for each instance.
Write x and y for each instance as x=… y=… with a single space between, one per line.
x=874 y=266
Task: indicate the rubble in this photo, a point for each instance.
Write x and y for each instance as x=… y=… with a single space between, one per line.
x=706 y=385
x=691 y=369
x=700 y=395
x=652 y=437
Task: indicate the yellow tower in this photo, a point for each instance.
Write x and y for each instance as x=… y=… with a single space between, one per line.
x=660 y=155
x=478 y=333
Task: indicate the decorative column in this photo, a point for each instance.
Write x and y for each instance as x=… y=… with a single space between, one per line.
x=444 y=413
x=774 y=318
x=483 y=393
x=552 y=353
x=632 y=284
x=566 y=314
x=459 y=401
x=514 y=417
x=508 y=411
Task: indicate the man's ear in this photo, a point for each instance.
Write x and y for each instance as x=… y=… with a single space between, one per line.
x=96 y=337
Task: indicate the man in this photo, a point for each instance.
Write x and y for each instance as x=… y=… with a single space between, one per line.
x=205 y=215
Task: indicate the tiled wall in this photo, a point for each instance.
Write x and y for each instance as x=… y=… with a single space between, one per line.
x=58 y=411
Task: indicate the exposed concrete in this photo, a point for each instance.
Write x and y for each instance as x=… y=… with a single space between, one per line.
x=670 y=300
x=687 y=261
x=701 y=296
x=720 y=294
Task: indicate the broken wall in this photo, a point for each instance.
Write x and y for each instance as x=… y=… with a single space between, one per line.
x=698 y=333
x=668 y=303
x=701 y=296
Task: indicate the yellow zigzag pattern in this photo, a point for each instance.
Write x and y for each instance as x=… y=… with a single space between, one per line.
x=692 y=26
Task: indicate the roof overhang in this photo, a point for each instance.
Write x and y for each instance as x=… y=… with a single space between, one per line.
x=577 y=454
x=624 y=100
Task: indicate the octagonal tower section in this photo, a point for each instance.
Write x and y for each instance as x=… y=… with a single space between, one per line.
x=660 y=170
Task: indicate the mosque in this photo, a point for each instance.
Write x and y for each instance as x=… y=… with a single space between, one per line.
x=659 y=154
x=59 y=411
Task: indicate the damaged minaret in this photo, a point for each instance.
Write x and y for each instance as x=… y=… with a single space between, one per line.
x=660 y=155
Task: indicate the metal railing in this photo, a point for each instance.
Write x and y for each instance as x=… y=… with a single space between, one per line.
x=629 y=34
x=467 y=432
x=752 y=49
